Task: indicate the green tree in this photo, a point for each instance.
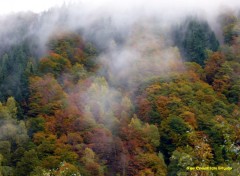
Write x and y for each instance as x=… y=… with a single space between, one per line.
x=27 y=164
x=90 y=162
x=194 y=37
x=12 y=107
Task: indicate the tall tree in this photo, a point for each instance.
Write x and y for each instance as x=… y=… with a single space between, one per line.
x=194 y=37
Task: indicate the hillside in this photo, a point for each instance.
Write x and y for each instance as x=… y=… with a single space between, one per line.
x=98 y=100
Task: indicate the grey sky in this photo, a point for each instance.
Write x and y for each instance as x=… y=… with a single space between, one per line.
x=170 y=5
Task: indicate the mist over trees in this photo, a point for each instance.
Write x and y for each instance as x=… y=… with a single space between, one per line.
x=194 y=38
x=95 y=95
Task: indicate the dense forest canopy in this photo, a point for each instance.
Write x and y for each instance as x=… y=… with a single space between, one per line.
x=114 y=98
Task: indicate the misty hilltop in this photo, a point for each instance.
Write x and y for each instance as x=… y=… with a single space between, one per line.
x=121 y=89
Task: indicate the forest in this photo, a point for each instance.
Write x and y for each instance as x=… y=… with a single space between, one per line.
x=97 y=100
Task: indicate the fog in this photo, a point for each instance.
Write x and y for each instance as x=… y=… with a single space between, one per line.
x=134 y=37
x=102 y=18
x=124 y=30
